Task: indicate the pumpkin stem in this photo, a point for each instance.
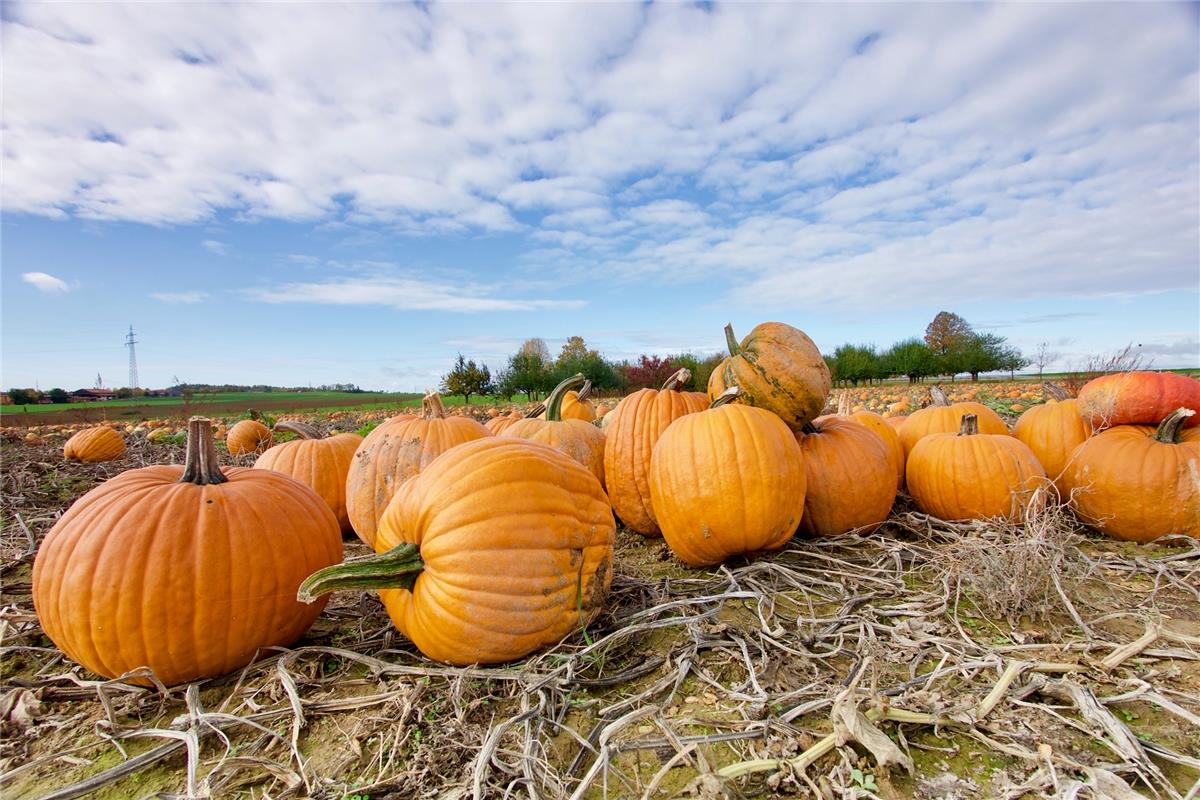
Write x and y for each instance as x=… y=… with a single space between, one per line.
x=731 y=340
x=201 y=464
x=843 y=404
x=301 y=429
x=398 y=568
x=727 y=396
x=585 y=392
x=555 y=400
x=1055 y=392
x=431 y=406
x=1169 y=428
x=536 y=411
x=938 y=396
x=809 y=428
x=679 y=378
x=970 y=425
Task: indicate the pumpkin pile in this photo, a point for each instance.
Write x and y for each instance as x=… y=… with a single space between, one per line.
x=492 y=542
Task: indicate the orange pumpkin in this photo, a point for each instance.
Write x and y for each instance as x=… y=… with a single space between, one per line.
x=850 y=477
x=890 y=438
x=320 y=463
x=395 y=452
x=1138 y=483
x=248 y=436
x=93 y=445
x=577 y=406
x=580 y=440
x=942 y=417
x=776 y=367
x=498 y=425
x=727 y=481
x=1052 y=431
x=1138 y=398
x=631 y=432
x=186 y=570
x=973 y=475
x=500 y=547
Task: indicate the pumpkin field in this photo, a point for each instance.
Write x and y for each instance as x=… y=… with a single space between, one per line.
x=775 y=587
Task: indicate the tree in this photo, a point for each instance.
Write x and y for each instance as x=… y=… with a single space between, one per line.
x=650 y=372
x=536 y=347
x=856 y=362
x=467 y=378
x=1042 y=357
x=576 y=357
x=22 y=397
x=911 y=358
x=946 y=333
x=574 y=350
x=1012 y=359
x=58 y=395
x=526 y=374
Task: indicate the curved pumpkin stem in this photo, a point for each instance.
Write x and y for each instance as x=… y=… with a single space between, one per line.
x=555 y=400
x=1168 y=430
x=679 y=378
x=808 y=428
x=727 y=396
x=731 y=340
x=938 y=396
x=536 y=411
x=398 y=568
x=585 y=392
x=1055 y=392
x=970 y=425
x=843 y=403
x=201 y=464
x=432 y=407
x=301 y=429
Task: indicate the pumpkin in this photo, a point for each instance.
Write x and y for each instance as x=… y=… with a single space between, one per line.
x=1052 y=431
x=497 y=425
x=1138 y=483
x=889 y=436
x=850 y=475
x=776 y=367
x=498 y=548
x=320 y=463
x=1138 y=398
x=187 y=570
x=631 y=431
x=248 y=436
x=974 y=475
x=395 y=452
x=727 y=481
x=94 y=444
x=576 y=438
x=942 y=417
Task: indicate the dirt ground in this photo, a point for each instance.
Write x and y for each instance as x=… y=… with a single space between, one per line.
x=922 y=660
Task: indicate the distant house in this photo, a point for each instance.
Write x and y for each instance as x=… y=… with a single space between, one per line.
x=91 y=395
x=5 y=400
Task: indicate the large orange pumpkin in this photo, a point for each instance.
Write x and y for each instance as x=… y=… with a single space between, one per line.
x=890 y=438
x=776 y=367
x=395 y=452
x=320 y=463
x=186 y=570
x=580 y=440
x=1138 y=483
x=94 y=444
x=632 y=430
x=498 y=548
x=576 y=405
x=850 y=477
x=727 y=481
x=944 y=417
x=248 y=436
x=974 y=475
x=1138 y=398
x=1052 y=431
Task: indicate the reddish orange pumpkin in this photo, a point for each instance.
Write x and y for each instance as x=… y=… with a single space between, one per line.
x=850 y=477
x=187 y=570
x=93 y=445
x=320 y=463
x=1138 y=398
x=580 y=440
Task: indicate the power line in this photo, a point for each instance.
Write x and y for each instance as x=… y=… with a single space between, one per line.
x=133 y=376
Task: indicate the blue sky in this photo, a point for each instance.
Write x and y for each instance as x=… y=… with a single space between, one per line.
x=316 y=193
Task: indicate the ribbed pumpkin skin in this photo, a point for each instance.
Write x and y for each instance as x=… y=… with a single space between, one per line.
x=248 y=436
x=984 y=476
x=320 y=464
x=1052 y=431
x=947 y=419
x=515 y=537
x=850 y=477
x=189 y=580
x=1134 y=488
x=779 y=369
x=572 y=408
x=727 y=481
x=391 y=455
x=580 y=440
x=1138 y=398
x=93 y=445
x=498 y=425
x=890 y=438
x=633 y=428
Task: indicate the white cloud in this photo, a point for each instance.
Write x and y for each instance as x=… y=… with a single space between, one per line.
x=45 y=282
x=213 y=246
x=187 y=298
x=403 y=293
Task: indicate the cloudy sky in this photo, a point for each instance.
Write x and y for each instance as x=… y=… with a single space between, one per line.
x=313 y=193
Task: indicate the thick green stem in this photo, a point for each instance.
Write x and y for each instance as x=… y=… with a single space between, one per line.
x=679 y=378
x=970 y=425
x=201 y=464
x=299 y=428
x=731 y=340
x=1169 y=428
x=398 y=568
x=727 y=396
x=555 y=400
x=585 y=392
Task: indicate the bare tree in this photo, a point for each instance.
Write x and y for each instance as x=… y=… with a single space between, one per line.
x=1042 y=356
